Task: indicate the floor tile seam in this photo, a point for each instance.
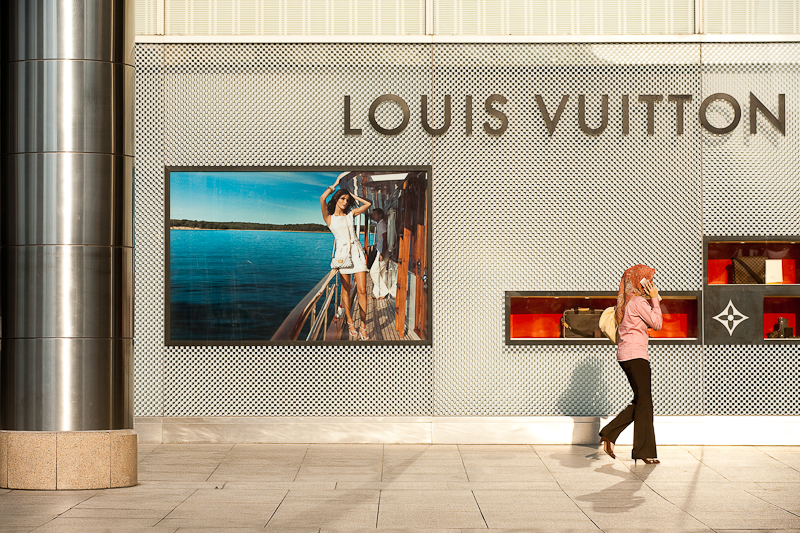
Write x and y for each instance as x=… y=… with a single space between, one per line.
x=797 y=514
x=68 y=509
x=479 y=509
x=768 y=454
x=58 y=515
x=716 y=530
x=220 y=463
x=173 y=509
x=276 y=508
x=564 y=491
x=646 y=484
x=703 y=463
x=378 y=513
x=299 y=466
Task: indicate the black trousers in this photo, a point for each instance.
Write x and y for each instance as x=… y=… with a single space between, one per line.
x=640 y=411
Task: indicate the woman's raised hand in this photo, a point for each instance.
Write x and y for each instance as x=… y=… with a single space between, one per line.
x=650 y=289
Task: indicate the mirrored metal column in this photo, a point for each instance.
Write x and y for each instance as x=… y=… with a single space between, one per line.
x=66 y=215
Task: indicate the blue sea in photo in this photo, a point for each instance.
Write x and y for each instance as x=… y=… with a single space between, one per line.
x=232 y=285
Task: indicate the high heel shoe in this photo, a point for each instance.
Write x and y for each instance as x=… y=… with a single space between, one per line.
x=608 y=447
x=648 y=461
x=352 y=327
x=362 y=333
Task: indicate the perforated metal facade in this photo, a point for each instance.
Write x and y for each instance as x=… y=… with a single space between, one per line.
x=521 y=211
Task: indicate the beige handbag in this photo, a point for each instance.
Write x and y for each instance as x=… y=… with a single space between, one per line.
x=608 y=324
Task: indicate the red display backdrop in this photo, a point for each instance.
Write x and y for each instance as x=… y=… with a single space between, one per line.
x=720 y=266
x=539 y=317
x=776 y=307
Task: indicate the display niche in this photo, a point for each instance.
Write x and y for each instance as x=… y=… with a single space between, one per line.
x=780 y=318
x=752 y=261
x=538 y=317
x=752 y=289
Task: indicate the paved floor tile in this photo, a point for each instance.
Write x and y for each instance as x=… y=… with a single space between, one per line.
x=504 y=485
x=434 y=489
x=22 y=520
x=390 y=530
x=430 y=518
x=660 y=528
x=101 y=512
x=745 y=520
x=80 y=525
x=190 y=529
x=641 y=520
x=225 y=477
x=281 y=485
x=357 y=508
x=392 y=485
x=786 y=500
x=453 y=499
x=790 y=530
x=508 y=473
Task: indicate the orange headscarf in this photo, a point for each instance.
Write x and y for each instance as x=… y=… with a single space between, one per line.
x=630 y=286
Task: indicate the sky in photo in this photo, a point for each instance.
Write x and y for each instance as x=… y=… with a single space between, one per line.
x=263 y=197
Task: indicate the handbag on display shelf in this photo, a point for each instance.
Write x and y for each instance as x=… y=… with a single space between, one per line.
x=581 y=322
x=749 y=270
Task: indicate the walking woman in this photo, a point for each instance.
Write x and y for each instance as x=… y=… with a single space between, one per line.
x=634 y=315
x=338 y=214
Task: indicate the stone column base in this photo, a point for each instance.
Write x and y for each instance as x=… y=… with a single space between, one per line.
x=68 y=460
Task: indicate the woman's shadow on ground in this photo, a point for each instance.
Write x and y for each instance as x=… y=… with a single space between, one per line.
x=587 y=397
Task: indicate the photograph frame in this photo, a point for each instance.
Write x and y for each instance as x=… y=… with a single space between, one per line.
x=428 y=169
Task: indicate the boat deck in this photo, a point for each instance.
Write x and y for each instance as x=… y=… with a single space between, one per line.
x=380 y=321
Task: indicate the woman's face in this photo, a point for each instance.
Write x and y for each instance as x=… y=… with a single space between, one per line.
x=342 y=202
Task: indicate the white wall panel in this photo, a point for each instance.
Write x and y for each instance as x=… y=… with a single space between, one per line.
x=563 y=17
x=146 y=17
x=752 y=16
x=294 y=17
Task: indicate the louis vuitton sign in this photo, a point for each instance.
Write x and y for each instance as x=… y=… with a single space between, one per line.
x=493 y=120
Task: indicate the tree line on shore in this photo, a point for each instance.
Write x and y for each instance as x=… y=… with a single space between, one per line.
x=202 y=224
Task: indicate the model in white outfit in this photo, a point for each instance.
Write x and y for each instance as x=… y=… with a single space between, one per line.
x=380 y=267
x=342 y=228
x=338 y=215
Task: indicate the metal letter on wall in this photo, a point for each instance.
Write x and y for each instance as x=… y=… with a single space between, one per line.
x=778 y=122
x=403 y=106
x=651 y=100
x=582 y=115
x=679 y=99
x=551 y=123
x=348 y=129
x=499 y=115
x=703 y=113
x=424 y=116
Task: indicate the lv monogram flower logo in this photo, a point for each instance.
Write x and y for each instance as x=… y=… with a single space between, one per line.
x=731 y=317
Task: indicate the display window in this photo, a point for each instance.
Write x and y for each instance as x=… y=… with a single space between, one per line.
x=566 y=317
x=748 y=261
x=780 y=317
x=752 y=292
x=250 y=256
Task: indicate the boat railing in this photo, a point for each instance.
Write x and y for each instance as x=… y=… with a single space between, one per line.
x=327 y=290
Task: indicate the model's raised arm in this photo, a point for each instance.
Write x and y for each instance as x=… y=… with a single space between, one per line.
x=365 y=204
x=323 y=203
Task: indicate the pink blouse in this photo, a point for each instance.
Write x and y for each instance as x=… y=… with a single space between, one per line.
x=633 y=338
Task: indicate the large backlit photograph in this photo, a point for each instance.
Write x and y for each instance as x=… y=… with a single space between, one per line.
x=293 y=256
